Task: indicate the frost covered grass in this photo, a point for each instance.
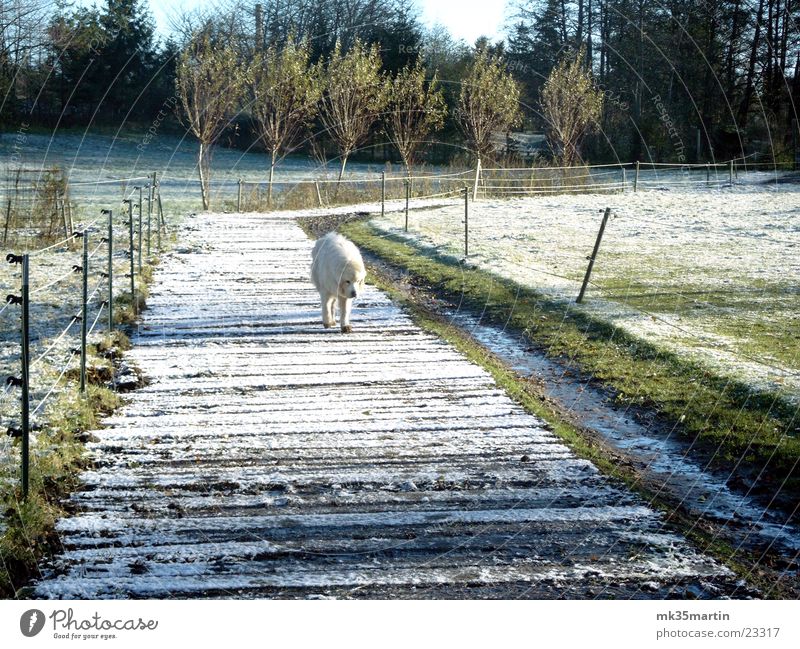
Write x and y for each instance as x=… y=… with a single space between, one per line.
x=526 y=394
x=28 y=533
x=710 y=275
x=751 y=433
x=95 y=163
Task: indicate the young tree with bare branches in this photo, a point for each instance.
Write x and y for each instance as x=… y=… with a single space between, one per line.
x=416 y=109
x=356 y=93
x=285 y=90
x=209 y=85
x=572 y=105
x=488 y=102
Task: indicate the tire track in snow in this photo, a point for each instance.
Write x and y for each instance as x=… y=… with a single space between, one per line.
x=269 y=457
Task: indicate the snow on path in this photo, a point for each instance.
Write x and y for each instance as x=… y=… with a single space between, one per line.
x=269 y=457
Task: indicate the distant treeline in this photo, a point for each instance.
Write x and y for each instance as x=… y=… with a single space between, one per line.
x=669 y=67
x=666 y=67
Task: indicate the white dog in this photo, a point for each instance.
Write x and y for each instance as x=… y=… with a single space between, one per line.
x=337 y=271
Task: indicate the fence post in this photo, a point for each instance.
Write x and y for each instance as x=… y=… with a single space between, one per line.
x=624 y=179
x=64 y=218
x=140 y=229
x=149 y=218
x=708 y=174
x=636 y=178
x=110 y=270
x=129 y=201
x=84 y=302
x=161 y=222
x=239 y=197
x=730 y=173
x=319 y=193
x=466 y=223
x=408 y=197
x=24 y=381
x=477 y=179
x=383 y=193
x=586 y=277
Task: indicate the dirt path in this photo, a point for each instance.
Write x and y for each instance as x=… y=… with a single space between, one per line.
x=269 y=457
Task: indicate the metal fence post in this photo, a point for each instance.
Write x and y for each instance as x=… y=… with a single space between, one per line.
x=383 y=193
x=586 y=277
x=26 y=363
x=85 y=303
x=160 y=217
x=466 y=222
x=624 y=179
x=730 y=173
x=708 y=174
x=408 y=198
x=131 y=251
x=149 y=217
x=24 y=380
x=636 y=178
x=239 y=197
x=110 y=270
x=140 y=229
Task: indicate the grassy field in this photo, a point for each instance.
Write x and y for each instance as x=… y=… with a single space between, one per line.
x=750 y=433
x=97 y=165
x=710 y=275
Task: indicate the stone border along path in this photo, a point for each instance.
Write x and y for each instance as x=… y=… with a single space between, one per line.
x=269 y=457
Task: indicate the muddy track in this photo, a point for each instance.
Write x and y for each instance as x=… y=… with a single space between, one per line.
x=268 y=457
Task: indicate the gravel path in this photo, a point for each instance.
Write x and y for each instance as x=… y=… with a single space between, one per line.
x=269 y=457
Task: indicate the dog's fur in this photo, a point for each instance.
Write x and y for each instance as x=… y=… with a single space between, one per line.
x=337 y=271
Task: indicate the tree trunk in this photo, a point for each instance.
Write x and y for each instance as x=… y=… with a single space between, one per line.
x=730 y=63
x=744 y=107
x=341 y=173
x=589 y=35
x=203 y=171
x=271 y=176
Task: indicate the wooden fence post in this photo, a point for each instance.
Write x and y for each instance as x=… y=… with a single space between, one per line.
x=383 y=193
x=588 y=275
x=319 y=193
x=477 y=180
x=408 y=198
x=466 y=223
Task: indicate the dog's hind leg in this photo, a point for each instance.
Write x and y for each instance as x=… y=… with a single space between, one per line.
x=328 y=315
x=345 y=304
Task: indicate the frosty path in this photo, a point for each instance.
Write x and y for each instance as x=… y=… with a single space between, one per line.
x=269 y=457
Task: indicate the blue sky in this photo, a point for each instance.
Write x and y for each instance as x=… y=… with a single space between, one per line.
x=465 y=19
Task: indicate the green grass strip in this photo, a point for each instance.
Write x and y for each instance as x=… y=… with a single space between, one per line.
x=752 y=434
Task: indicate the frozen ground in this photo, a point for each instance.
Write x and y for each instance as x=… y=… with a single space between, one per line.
x=711 y=273
x=271 y=457
x=88 y=159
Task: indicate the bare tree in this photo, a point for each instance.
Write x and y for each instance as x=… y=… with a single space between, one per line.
x=415 y=110
x=209 y=85
x=488 y=102
x=571 y=105
x=285 y=92
x=22 y=34
x=356 y=93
